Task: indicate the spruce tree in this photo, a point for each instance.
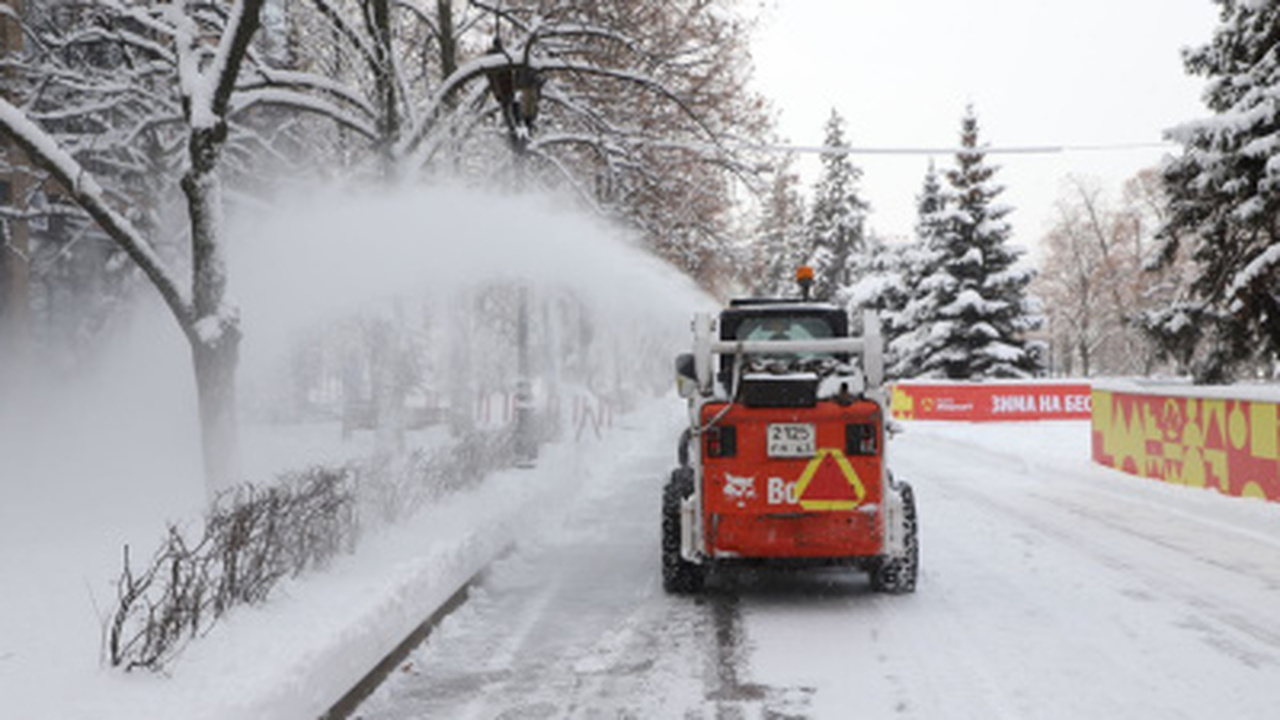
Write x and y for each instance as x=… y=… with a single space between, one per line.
x=782 y=246
x=979 y=309
x=838 y=218
x=1225 y=195
x=880 y=283
x=923 y=281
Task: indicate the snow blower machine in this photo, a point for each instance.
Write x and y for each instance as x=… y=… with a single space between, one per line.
x=784 y=459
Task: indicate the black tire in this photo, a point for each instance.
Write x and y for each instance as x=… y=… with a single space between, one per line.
x=679 y=576
x=897 y=576
x=682 y=450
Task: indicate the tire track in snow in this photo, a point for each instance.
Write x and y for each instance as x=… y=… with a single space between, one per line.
x=1065 y=526
x=1155 y=576
x=723 y=687
x=998 y=628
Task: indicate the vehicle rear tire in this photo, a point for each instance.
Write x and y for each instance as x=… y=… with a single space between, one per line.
x=679 y=576
x=897 y=576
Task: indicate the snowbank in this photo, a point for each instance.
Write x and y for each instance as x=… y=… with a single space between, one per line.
x=1174 y=388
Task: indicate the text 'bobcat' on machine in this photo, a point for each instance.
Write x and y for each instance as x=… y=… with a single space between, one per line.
x=784 y=461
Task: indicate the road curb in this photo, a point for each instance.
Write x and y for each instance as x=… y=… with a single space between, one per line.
x=349 y=702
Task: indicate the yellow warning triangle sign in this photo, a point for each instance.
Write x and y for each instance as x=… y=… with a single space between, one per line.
x=829 y=482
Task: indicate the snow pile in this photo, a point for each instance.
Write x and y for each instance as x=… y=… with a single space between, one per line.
x=1261 y=392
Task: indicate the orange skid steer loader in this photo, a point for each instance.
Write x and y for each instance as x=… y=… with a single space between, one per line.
x=784 y=459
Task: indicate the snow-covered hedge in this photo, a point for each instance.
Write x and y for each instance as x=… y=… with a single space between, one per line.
x=251 y=539
x=254 y=537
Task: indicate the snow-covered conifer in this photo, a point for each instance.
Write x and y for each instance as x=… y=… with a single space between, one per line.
x=1225 y=192
x=838 y=218
x=781 y=247
x=920 y=261
x=977 y=310
x=881 y=283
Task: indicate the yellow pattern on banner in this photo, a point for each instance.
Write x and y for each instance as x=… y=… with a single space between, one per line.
x=1225 y=444
x=902 y=405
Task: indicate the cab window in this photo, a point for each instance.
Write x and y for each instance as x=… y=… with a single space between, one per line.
x=783 y=328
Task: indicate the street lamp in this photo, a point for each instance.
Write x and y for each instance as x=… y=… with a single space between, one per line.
x=528 y=87
x=517 y=88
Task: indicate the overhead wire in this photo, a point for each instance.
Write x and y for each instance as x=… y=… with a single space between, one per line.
x=988 y=150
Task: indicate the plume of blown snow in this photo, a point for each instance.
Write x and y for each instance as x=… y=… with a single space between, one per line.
x=335 y=251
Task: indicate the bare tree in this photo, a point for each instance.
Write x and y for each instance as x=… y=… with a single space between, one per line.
x=668 y=158
x=205 y=75
x=1081 y=279
x=639 y=108
x=1097 y=295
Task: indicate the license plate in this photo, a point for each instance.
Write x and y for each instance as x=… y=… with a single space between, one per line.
x=791 y=440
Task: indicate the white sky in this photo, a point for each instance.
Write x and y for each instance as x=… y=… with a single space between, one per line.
x=1085 y=72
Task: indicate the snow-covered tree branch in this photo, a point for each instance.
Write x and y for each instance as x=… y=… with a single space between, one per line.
x=142 y=61
x=44 y=150
x=1225 y=191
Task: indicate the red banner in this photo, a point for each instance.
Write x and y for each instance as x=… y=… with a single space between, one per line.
x=996 y=401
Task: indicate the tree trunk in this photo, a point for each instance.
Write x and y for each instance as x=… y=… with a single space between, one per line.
x=211 y=326
x=213 y=330
x=15 y=276
x=15 y=256
x=448 y=43
x=215 y=367
x=379 y=19
x=461 y=364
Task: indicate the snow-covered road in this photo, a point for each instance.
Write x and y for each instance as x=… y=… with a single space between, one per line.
x=1050 y=588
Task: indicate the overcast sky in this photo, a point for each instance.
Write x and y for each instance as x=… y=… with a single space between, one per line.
x=1085 y=72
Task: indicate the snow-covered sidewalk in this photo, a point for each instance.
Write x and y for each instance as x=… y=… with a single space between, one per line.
x=299 y=653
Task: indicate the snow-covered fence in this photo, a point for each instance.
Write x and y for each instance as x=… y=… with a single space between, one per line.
x=1224 y=438
x=991 y=400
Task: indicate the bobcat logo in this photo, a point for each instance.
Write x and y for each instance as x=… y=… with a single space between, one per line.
x=739 y=489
